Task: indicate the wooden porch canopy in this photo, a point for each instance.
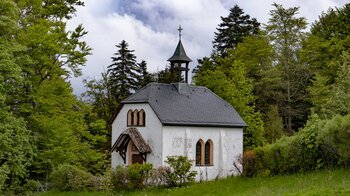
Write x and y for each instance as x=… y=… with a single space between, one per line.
x=121 y=145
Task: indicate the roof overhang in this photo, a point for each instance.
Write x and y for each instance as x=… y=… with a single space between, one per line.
x=123 y=140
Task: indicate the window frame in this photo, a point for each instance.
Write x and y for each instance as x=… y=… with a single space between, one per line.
x=201 y=153
x=210 y=159
x=136 y=118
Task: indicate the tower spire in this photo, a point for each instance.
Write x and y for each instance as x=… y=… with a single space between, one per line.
x=179 y=57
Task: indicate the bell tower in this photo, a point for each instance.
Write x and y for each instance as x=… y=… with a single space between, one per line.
x=178 y=59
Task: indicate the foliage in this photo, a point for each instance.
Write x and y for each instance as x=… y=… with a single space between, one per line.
x=16 y=151
x=61 y=133
x=131 y=177
x=145 y=76
x=256 y=53
x=333 y=140
x=137 y=174
x=321 y=144
x=123 y=72
x=233 y=29
x=323 y=51
x=179 y=172
x=227 y=78
x=286 y=33
x=273 y=124
x=70 y=178
x=98 y=95
x=119 y=178
x=338 y=100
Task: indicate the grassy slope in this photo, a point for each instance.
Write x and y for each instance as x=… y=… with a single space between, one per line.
x=320 y=183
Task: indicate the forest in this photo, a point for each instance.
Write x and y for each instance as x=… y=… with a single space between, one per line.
x=289 y=83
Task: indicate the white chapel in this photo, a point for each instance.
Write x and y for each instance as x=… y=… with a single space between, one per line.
x=163 y=120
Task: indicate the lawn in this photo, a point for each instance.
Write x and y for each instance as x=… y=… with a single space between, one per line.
x=315 y=183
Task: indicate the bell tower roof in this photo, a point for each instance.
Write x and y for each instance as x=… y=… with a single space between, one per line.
x=180 y=53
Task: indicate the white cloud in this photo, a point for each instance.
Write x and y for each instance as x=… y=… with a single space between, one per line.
x=150 y=27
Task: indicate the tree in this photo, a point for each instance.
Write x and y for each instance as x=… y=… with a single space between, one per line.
x=145 y=76
x=98 y=95
x=123 y=72
x=227 y=78
x=323 y=50
x=233 y=29
x=273 y=124
x=62 y=134
x=339 y=99
x=37 y=55
x=16 y=148
x=285 y=32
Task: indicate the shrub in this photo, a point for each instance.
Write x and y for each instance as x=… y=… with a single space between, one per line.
x=131 y=177
x=159 y=176
x=179 y=172
x=118 y=178
x=333 y=139
x=321 y=144
x=70 y=178
x=137 y=175
x=249 y=163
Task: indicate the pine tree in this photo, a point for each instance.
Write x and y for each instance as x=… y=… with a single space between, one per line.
x=233 y=29
x=145 y=76
x=123 y=72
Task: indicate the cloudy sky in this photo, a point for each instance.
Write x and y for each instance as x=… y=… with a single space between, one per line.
x=150 y=27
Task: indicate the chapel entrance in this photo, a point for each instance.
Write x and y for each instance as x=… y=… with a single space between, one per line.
x=131 y=146
x=133 y=154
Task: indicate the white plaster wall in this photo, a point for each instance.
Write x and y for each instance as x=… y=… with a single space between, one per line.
x=151 y=133
x=227 y=146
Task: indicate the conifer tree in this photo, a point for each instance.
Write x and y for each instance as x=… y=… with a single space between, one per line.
x=145 y=76
x=233 y=29
x=123 y=73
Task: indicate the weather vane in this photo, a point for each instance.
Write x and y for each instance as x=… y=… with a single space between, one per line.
x=180 y=29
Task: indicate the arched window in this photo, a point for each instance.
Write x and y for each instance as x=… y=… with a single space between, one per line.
x=142 y=118
x=199 y=153
x=130 y=118
x=208 y=154
x=136 y=117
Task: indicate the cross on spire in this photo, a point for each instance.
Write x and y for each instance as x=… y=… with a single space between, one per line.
x=180 y=29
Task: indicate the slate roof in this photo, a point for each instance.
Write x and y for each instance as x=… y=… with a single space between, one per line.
x=183 y=104
x=180 y=54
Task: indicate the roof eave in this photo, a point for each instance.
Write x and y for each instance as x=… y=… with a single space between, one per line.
x=194 y=124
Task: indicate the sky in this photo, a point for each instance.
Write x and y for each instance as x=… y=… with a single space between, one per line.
x=150 y=27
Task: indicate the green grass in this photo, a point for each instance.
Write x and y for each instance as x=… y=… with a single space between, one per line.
x=318 y=183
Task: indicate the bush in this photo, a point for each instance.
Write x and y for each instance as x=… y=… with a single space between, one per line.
x=70 y=178
x=118 y=178
x=249 y=163
x=179 y=172
x=159 y=176
x=137 y=175
x=131 y=177
x=333 y=139
x=321 y=144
